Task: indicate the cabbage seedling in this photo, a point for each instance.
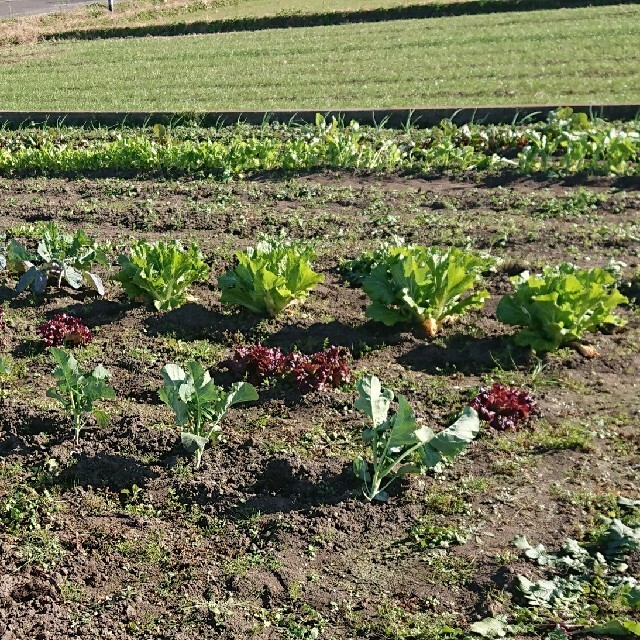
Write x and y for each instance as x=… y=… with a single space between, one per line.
x=398 y=445
x=199 y=404
x=77 y=390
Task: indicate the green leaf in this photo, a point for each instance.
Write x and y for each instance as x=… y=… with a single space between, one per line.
x=361 y=470
x=198 y=404
x=404 y=431
x=269 y=277
x=161 y=272
x=72 y=276
x=560 y=305
x=419 y=284
x=92 y=281
x=399 y=446
x=489 y=628
x=374 y=401
x=192 y=442
x=556 y=634
x=447 y=444
x=102 y=418
x=241 y=392
x=624 y=628
x=77 y=390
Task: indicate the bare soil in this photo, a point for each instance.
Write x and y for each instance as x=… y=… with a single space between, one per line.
x=272 y=537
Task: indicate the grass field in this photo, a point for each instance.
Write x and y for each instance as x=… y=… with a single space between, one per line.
x=577 y=55
x=139 y=13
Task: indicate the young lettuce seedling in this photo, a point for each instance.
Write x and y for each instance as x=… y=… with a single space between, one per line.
x=428 y=286
x=78 y=390
x=398 y=445
x=199 y=404
x=269 y=277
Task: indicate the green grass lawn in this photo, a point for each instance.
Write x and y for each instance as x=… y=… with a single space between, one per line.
x=151 y=13
x=555 y=56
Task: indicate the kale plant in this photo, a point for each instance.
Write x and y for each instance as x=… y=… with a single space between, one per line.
x=399 y=446
x=199 y=405
x=60 y=257
x=77 y=390
x=578 y=572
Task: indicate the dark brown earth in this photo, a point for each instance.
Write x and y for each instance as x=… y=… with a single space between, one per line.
x=272 y=538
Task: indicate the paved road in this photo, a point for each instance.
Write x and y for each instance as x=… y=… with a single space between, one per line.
x=10 y=8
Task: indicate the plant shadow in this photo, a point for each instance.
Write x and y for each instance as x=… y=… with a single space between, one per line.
x=318 y=336
x=287 y=484
x=107 y=470
x=194 y=321
x=98 y=312
x=466 y=354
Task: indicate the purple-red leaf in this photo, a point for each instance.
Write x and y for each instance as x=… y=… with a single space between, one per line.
x=322 y=370
x=503 y=407
x=64 y=329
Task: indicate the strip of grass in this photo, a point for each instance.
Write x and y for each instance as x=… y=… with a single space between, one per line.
x=569 y=55
x=132 y=14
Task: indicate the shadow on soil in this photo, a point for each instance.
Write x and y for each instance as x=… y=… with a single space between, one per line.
x=106 y=470
x=315 y=337
x=97 y=312
x=435 y=10
x=194 y=322
x=466 y=354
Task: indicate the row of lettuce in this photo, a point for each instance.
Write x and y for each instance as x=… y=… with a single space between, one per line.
x=427 y=286
x=407 y=284
x=414 y=285
x=566 y=143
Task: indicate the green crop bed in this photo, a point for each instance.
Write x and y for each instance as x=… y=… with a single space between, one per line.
x=555 y=56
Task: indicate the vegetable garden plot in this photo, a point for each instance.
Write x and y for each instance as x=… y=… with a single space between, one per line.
x=271 y=536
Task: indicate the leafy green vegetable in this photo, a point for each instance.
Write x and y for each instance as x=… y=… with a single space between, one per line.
x=161 y=272
x=199 y=404
x=270 y=276
x=560 y=305
x=59 y=256
x=425 y=285
x=6 y=370
x=77 y=390
x=490 y=628
x=356 y=270
x=624 y=628
x=580 y=570
x=398 y=445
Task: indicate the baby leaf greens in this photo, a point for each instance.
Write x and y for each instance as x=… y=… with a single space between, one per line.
x=77 y=390
x=425 y=285
x=161 y=272
x=399 y=446
x=270 y=276
x=560 y=305
x=199 y=405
